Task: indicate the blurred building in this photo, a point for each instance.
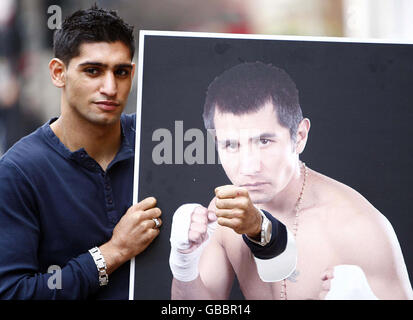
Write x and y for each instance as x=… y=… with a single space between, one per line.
x=27 y=96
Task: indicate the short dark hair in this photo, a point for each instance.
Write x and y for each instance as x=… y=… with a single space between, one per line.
x=91 y=25
x=247 y=87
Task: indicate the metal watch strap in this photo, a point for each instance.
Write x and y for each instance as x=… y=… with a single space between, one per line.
x=100 y=265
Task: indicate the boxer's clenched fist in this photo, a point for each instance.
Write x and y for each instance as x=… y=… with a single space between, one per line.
x=201 y=218
x=235 y=210
x=192 y=227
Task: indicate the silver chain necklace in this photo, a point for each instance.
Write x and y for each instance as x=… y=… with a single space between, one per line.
x=283 y=291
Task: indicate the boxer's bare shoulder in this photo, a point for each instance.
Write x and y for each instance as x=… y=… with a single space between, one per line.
x=361 y=235
x=349 y=217
x=339 y=202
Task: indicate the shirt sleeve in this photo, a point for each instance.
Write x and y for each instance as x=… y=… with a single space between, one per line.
x=20 y=235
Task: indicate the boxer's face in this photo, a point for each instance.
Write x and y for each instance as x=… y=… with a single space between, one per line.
x=256 y=152
x=98 y=82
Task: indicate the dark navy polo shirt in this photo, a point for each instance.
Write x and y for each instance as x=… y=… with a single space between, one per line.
x=55 y=205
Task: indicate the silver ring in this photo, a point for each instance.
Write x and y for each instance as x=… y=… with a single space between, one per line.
x=157 y=223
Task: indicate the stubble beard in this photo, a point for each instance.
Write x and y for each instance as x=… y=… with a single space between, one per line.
x=97 y=118
x=260 y=198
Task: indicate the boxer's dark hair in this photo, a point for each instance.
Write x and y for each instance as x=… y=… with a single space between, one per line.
x=87 y=26
x=247 y=87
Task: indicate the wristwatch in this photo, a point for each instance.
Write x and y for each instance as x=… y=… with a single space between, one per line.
x=266 y=230
x=101 y=266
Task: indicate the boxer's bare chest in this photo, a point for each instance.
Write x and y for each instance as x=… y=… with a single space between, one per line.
x=315 y=254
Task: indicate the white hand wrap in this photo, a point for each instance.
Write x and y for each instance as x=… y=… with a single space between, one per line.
x=184 y=266
x=349 y=283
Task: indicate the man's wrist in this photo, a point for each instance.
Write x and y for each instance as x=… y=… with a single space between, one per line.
x=256 y=234
x=276 y=244
x=113 y=256
x=263 y=237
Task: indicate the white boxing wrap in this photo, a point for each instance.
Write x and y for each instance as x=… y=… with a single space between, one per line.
x=184 y=266
x=349 y=283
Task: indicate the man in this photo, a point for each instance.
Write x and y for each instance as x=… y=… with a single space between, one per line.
x=66 y=220
x=346 y=249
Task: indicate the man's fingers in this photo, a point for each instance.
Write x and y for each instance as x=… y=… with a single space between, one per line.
x=196 y=237
x=157 y=225
x=146 y=204
x=198 y=231
x=232 y=223
x=229 y=213
x=147 y=217
x=151 y=213
x=211 y=205
x=230 y=191
x=199 y=227
x=239 y=202
x=200 y=214
x=153 y=233
x=151 y=224
x=212 y=216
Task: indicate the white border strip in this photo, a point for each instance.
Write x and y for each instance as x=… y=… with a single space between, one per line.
x=271 y=37
x=137 y=152
x=143 y=33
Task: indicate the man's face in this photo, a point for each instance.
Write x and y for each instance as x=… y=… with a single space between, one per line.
x=256 y=152
x=98 y=82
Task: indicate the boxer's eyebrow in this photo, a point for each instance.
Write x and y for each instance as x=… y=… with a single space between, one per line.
x=224 y=141
x=265 y=135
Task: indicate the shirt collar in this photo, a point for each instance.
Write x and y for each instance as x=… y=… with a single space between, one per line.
x=126 y=149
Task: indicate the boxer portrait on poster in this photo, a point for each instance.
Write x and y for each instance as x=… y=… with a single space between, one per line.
x=260 y=133
x=277 y=226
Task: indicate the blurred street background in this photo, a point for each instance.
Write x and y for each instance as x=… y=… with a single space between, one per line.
x=28 y=98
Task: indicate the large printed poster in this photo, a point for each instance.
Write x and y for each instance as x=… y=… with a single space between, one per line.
x=357 y=96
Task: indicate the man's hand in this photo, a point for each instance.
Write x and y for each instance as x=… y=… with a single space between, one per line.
x=133 y=233
x=235 y=210
x=192 y=227
x=198 y=228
